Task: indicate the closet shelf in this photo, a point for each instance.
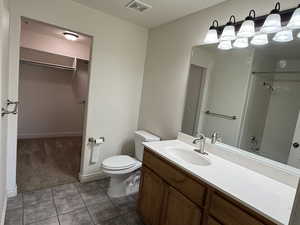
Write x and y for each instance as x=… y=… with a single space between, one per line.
x=56 y=66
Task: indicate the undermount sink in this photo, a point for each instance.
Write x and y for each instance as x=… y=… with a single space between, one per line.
x=188 y=156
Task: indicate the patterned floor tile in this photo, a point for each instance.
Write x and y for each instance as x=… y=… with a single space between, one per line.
x=14 y=217
x=65 y=190
x=125 y=204
x=39 y=211
x=94 y=197
x=68 y=202
x=49 y=221
x=77 y=217
x=15 y=202
x=34 y=197
x=103 y=212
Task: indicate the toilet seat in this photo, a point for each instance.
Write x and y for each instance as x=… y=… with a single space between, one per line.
x=120 y=162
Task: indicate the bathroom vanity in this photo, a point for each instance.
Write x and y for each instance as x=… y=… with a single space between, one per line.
x=180 y=187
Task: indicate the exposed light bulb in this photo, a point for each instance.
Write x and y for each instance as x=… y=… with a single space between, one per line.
x=283 y=36
x=272 y=23
x=295 y=20
x=71 y=36
x=225 y=45
x=241 y=43
x=260 y=39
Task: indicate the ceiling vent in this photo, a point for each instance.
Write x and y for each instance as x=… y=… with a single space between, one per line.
x=138 y=6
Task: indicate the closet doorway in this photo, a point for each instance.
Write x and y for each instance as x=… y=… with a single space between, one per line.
x=53 y=90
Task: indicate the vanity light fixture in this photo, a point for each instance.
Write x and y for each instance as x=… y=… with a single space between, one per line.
x=283 y=36
x=295 y=19
x=225 y=45
x=260 y=39
x=266 y=24
x=212 y=34
x=272 y=23
x=248 y=26
x=241 y=42
x=228 y=33
x=71 y=36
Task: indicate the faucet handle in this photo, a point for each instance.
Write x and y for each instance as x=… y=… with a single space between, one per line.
x=200 y=135
x=216 y=137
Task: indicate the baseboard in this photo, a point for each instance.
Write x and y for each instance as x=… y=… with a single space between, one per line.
x=91 y=177
x=2 y=219
x=12 y=192
x=49 y=135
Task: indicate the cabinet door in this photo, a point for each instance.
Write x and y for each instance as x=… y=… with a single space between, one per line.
x=211 y=221
x=178 y=210
x=150 y=197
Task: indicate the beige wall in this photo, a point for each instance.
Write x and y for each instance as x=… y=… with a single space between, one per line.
x=48 y=105
x=117 y=67
x=4 y=28
x=168 y=58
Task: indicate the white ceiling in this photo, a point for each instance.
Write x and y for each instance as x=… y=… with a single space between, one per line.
x=163 y=11
x=50 y=30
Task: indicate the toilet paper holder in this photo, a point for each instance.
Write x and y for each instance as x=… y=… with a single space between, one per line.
x=96 y=141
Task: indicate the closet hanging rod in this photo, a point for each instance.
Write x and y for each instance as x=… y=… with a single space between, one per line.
x=56 y=66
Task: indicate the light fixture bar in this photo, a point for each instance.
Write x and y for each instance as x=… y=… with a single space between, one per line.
x=259 y=21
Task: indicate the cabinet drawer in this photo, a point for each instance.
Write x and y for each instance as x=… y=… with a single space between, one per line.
x=229 y=213
x=177 y=178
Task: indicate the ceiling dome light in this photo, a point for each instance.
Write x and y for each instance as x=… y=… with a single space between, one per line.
x=283 y=36
x=212 y=34
x=273 y=22
x=241 y=43
x=260 y=39
x=248 y=26
x=228 y=33
x=71 y=36
x=295 y=20
x=225 y=45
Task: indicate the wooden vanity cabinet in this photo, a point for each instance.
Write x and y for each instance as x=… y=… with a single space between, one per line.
x=170 y=196
x=179 y=210
x=151 y=196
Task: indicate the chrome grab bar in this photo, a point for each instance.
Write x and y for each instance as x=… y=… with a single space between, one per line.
x=6 y=111
x=221 y=115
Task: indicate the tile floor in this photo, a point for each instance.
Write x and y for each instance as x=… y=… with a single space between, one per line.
x=72 y=204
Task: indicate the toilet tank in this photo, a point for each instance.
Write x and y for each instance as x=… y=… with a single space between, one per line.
x=140 y=137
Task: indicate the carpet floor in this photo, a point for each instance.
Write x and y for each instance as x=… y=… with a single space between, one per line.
x=47 y=162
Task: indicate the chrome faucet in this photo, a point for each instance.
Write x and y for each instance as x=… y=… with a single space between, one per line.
x=200 y=139
x=215 y=137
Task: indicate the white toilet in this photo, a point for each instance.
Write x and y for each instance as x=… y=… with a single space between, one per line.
x=123 y=169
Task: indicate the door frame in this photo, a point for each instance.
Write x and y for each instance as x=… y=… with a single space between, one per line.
x=13 y=94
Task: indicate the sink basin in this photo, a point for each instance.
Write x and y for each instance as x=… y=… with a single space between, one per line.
x=188 y=156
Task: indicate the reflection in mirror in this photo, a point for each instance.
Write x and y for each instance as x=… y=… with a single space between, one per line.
x=249 y=96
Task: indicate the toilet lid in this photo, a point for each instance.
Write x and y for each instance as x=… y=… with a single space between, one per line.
x=119 y=162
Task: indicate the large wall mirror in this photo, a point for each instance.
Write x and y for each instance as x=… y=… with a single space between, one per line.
x=251 y=97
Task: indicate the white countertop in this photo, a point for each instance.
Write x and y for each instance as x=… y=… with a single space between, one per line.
x=262 y=194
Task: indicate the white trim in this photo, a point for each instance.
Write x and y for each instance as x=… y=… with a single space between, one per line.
x=91 y=177
x=49 y=135
x=3 y=211
x=12 y=192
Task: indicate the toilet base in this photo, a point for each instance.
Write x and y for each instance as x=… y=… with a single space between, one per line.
x=123 y=184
